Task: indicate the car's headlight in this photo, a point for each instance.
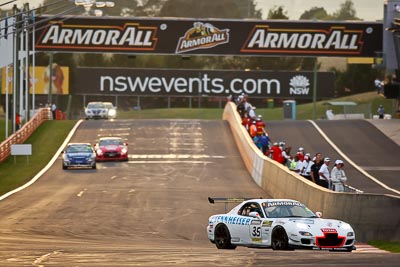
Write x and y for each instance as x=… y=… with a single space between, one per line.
x=112 y=112
x=302 y=225
x=124 y=151
x=305 y=233
x=99 y=152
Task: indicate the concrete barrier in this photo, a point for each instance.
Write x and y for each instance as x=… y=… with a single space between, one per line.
x=373 y=216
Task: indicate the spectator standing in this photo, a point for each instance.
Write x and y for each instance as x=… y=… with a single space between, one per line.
x=300 y=153
x=265 y=142
x=253 y=129
x=53 y=110
x=307 y=163
x=260 y=125
x=240 y=105
x=246 y=121
x=381 y=112
x=257 y=141
x=17 y=121
x=338 y=176
x=315 y=167
x=378 y=86
x=276 y=153
x=324 y=174
x=286 y=155
x=293 y=163
x=252 y=112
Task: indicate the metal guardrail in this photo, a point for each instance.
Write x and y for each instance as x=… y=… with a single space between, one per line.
x=20 y=136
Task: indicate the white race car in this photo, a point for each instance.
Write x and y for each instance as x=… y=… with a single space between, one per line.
x=282 y=224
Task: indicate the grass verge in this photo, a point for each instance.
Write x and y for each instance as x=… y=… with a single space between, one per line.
x=388 y=246
x=16 y=171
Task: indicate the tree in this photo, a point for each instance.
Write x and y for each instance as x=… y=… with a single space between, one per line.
x=277 y=12
x=346 y=11
x=315 y=13
x=210 y=9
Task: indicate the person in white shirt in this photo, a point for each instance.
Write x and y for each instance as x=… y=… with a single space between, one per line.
x=307 y=163
x=338 y=176
x=324 y=174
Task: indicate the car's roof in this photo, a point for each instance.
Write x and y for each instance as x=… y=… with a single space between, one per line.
x=110 y=138
x=78 y=144
x=261 y=200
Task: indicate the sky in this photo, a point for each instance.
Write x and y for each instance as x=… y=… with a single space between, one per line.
x=368 y=10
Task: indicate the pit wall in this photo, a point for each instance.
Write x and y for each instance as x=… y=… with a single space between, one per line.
x=373 y=216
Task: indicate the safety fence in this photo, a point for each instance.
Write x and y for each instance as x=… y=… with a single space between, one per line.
x=20 y=136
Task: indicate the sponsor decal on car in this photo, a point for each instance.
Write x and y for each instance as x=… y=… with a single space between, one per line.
x=328 y=230
x=232 y=220
x=267 y=223
x=284 y=203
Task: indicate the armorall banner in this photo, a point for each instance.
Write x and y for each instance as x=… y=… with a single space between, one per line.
x=177 y=82
x=208 y=37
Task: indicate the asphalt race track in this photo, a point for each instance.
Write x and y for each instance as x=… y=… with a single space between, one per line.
x=150 y=211
x=359 y=140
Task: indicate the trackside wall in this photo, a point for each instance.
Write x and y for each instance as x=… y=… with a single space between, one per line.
x=373 y=216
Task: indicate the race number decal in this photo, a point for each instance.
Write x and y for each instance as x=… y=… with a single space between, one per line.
x=255 y=233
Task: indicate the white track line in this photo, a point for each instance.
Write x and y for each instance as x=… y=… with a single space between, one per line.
x=350 y=161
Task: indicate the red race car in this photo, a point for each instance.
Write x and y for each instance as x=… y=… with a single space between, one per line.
x=111 y=149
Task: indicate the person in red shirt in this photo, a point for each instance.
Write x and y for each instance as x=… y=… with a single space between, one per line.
x=17 y=121
x=246 y=121
x=276 y=153
x=300 y=153
x=260 y=125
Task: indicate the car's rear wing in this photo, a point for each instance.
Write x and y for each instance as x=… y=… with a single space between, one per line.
x=227 y=200
x=214 y=200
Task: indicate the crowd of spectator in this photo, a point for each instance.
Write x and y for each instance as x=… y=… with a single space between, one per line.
x=316 y=169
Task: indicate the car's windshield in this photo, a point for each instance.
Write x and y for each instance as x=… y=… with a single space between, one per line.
x=108 y=142
x=79 y=149
x=95 y=105
x=282 y=209
x=108 y=105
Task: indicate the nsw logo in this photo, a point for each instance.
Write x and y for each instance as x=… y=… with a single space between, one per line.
x=202 y=36
x=299 y=85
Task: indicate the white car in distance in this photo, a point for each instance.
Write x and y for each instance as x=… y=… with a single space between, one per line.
x=96 y=110
x=111 y=110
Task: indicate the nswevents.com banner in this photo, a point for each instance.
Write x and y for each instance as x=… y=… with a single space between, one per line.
x=208 y=37
x=176 y=82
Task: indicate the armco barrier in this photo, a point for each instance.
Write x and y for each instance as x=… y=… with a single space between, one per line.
x=373 y=216
x=23 y=134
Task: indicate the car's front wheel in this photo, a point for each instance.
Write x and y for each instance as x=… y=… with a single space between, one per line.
x=222 y=238
x=279 y=239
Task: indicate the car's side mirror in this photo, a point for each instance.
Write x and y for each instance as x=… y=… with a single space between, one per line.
x=254 y=214
x=319 y=214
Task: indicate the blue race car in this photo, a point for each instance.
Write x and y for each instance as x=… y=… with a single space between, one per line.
x=79 y=155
